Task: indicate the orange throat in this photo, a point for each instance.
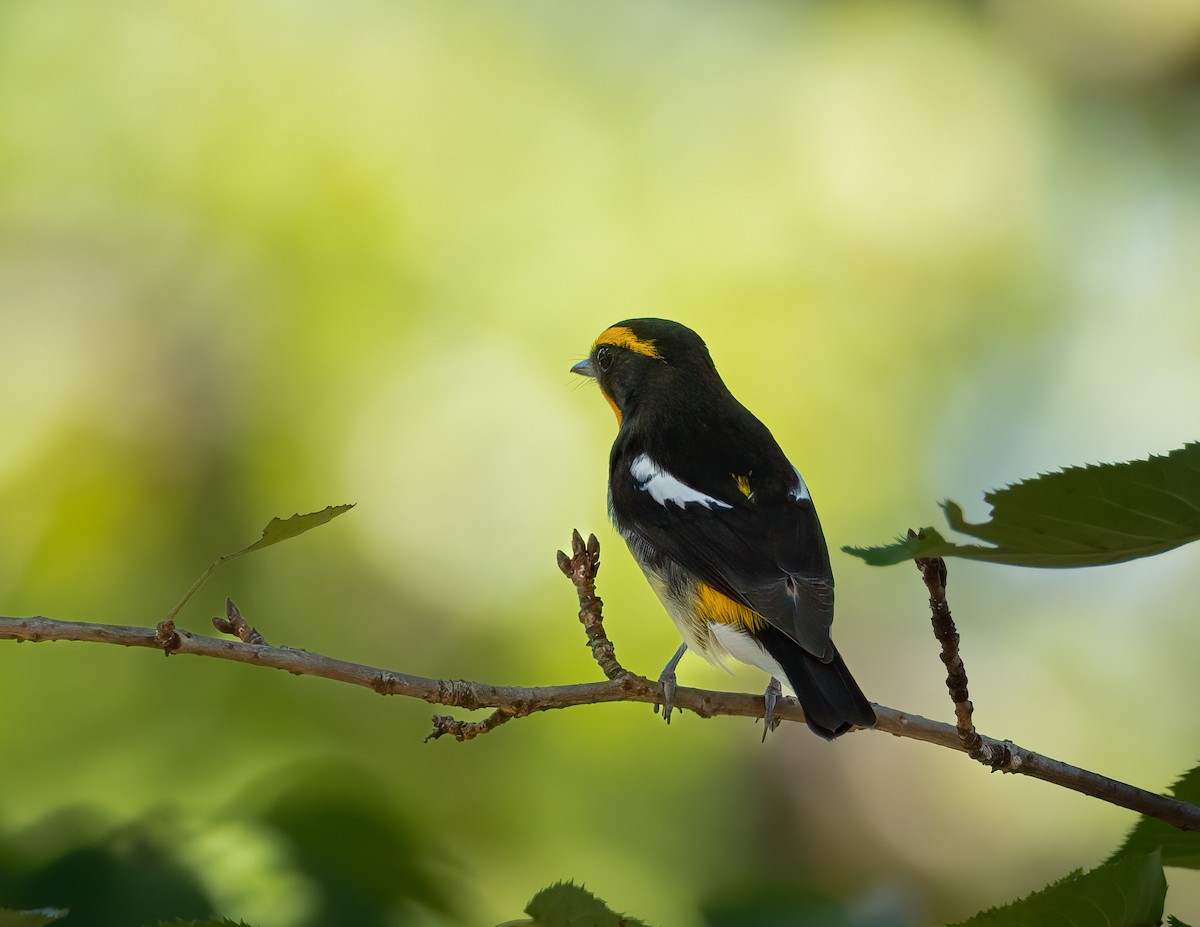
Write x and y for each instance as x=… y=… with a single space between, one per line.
x=609 y=400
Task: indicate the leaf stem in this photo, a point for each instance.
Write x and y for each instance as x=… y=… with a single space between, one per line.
x=195 y=587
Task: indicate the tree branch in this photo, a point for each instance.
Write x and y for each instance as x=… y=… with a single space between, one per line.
x=581 y=569
x=933 y=571
x=509 y=702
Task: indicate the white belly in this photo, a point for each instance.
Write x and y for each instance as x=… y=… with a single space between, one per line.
x=741 y=646
x=713 y=641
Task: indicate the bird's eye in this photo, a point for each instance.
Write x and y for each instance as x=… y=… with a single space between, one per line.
x=604 y=358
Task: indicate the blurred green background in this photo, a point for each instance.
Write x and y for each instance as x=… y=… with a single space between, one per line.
x=258 y=258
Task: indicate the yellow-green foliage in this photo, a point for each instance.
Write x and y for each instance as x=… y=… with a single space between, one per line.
x=257 y=257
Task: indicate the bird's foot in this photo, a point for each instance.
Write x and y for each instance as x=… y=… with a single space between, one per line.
x=667 y=680
x=770 y=700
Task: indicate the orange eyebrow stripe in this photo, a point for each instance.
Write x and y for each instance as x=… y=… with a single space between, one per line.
x=622 y=336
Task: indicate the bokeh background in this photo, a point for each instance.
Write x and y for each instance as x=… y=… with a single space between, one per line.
x=263 y=257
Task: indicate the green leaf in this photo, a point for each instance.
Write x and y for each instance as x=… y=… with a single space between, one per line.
x=361 y=858
x=1080 y=516
x=38 y=917
x=278 y=529
x=1127 y=893
x=565 y=904
x=220 y=922
x=1173 y=921
x=1179 y=848
x=925 y=543
x=282 y=529
x=784 y=904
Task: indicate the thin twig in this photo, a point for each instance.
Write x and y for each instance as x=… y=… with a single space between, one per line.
x=467 y=730
x=510 y=702
x=581 y=569
x=933 y=571
x=518 y=701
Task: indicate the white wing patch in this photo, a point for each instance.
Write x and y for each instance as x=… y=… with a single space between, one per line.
x=800 y=493
x=664 y=488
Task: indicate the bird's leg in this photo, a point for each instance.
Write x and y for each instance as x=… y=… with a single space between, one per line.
x=770 y=700
x=667 y=679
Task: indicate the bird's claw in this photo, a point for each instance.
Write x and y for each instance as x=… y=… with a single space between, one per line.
x=667 y=680
x=770 y=700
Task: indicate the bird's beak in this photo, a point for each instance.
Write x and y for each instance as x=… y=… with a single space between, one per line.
x=584 y=368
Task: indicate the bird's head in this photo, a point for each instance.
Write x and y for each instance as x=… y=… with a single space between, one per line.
x=640 y=357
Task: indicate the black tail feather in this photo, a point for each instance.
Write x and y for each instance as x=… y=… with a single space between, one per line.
x=832 y=701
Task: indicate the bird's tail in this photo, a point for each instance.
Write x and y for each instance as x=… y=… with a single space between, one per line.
x=832 y=701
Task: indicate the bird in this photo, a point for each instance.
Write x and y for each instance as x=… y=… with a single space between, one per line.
x=720 y=522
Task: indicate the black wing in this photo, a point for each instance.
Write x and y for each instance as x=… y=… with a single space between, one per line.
x=765 y=552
